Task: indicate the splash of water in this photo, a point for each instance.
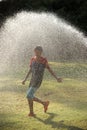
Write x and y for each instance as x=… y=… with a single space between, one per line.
x=25 y=30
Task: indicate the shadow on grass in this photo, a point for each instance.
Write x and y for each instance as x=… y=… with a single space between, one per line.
x=54 y=124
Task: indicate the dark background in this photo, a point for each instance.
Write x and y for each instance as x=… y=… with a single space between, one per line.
x=74 y=11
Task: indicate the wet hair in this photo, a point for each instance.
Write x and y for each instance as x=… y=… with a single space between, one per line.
x=39 y=48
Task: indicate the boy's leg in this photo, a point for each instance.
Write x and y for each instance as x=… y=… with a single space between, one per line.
x=38 y=100
x=30 y=102
x=31 y=98
x=44 y=103
x=30 y=95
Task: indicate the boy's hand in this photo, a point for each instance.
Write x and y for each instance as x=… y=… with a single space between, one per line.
x=23 y=82
x=59 y=79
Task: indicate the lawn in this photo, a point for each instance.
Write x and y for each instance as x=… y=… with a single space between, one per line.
x=68 y=100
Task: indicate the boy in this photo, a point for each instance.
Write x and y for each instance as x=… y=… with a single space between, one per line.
x=37 y=67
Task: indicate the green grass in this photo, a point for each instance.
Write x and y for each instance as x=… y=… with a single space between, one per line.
x=68 y=100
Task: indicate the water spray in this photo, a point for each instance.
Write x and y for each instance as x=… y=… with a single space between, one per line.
x=22 y=32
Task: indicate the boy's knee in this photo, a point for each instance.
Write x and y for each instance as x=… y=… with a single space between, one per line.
x=30 y=93
x=29 y=96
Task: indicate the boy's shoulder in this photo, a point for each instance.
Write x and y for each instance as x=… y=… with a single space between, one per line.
x=43 y=57
x=42 y=60
x=32 y=58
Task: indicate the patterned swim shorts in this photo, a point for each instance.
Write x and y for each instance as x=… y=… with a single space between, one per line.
x=31 y=91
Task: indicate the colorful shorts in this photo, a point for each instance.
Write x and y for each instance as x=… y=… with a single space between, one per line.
x=31 y=91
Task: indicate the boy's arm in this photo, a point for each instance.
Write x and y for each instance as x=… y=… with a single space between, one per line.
x=23 y=82
x=51 y=71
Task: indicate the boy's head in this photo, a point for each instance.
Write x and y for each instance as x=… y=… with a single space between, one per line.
x=38 y=50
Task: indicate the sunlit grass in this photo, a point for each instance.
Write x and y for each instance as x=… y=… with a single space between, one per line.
x=68 y=100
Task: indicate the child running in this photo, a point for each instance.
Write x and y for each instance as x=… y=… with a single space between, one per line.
x=37 y=67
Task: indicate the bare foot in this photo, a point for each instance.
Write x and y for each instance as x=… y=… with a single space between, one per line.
x=31 y=115
x=46 y=104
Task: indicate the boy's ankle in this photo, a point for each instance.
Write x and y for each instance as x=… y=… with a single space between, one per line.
x=31 y=114
x=44 y=103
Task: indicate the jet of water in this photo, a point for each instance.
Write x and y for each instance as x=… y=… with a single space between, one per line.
x=21 y=33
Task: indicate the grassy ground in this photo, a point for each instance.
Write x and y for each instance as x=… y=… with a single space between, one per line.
x=68 y=100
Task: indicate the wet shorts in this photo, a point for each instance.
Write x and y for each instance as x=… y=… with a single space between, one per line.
x=31 y=91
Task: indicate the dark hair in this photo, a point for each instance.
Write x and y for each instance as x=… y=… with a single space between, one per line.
x=39 y=48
